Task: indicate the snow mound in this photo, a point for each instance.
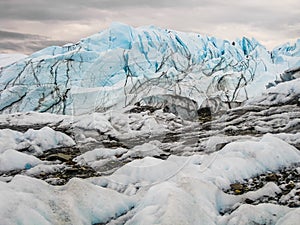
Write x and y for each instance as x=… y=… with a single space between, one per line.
x=14 y=160
x=188 y=190
x=16 y=147
x=179 y=190
x=32 y=140
x=284 y=93
x=35 y=202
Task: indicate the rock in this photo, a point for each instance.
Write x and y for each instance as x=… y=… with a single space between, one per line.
x=145 y=108
x=204 y=114
x=59 y=156
x=220 y=146
x=248 y=201
x=42 y=174
x=271 y=177
x=71 y=171
x=293 y=204
x=290 y=185
x=238 y=192
x=237 y=188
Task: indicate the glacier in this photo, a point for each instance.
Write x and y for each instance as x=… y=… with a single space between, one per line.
x=122 y=65
x=145 y=176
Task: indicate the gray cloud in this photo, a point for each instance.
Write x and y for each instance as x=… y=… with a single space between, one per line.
x=27 y=47
x=75 y=9
x=270 y=21
x=15 y=35
x=25 y=43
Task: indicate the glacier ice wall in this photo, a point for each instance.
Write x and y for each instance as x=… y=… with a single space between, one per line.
x=123 y=65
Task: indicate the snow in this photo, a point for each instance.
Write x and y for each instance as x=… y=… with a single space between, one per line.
x=258 y=214
x=181 y=185
x=43 y=168
x=235 y=162
x=99 y=153
x=33 y=140
x=142 y=151
x=35 y=202
x=291 y=218
x=178 y=190
x=47 y=138
x=119 y=124
x=99 y=156
x=280 y=94
x=8 y=139
x=267 y=154
x=14 y=160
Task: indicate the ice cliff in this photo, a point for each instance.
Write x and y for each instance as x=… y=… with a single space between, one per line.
x=123 y=65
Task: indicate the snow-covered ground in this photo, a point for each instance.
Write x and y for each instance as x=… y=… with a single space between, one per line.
x=153 y=167
x=179 y=190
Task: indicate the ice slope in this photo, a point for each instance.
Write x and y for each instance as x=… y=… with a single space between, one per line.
x=123 y=65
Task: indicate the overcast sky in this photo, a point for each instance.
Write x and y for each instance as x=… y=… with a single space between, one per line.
x=29 y=25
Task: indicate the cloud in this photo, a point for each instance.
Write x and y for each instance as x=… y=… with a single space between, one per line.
x=271 y=22
x=27 y=47
x=26 y=43
x=15 y=35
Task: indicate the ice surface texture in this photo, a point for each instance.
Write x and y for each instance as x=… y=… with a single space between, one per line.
x=123 y=65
